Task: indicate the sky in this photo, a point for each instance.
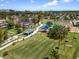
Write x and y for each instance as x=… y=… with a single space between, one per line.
x=39 y=5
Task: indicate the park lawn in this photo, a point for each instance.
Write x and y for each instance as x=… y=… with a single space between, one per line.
x=39 y=46
x=13 y=31
x=54 y=22
x=31 y=48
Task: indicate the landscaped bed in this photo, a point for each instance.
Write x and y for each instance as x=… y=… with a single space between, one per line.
x=39 y=46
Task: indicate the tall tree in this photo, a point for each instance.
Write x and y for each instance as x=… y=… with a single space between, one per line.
x=10 y=24
x=17 y=25
x=58 y=32
x=49 y=24
x=35 y=20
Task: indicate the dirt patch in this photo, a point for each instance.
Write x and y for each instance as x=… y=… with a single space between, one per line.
x=74 y=29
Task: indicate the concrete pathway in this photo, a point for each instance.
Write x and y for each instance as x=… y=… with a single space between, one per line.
x=1 y=58
x=77 y=57
x=10 y=42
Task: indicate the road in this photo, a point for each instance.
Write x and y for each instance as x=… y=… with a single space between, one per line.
x=16 y=39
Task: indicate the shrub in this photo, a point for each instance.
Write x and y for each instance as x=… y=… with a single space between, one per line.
x=77 y=24
x=46 y=58
x=5 y=53
x=49 y=24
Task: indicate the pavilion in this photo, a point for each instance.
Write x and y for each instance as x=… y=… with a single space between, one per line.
x=27 y=32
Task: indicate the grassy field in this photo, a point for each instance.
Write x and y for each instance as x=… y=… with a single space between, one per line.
x=39 y=46
x=12 y=31
x=55 y=22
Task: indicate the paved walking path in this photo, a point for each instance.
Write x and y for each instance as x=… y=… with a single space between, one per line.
x=16 y=40
x=1 y=58
x=77 y=57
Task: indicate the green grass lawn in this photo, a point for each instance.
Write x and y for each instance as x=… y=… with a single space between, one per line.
x=13 y=31
x=54 y=22
x=39 y=46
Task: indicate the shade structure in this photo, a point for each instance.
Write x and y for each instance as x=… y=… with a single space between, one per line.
x=29 y=31
x=44 y=28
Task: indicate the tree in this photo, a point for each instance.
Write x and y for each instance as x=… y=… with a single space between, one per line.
x=10 y=24
x=49 y=24
x=5 y=34
x=46 y=58
x=35 y=20
x=17 y=25
x=19 y=31
x=77 y=24
x=57 y=32
x=21 y=18
x=5 y=53
x=54 y=53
